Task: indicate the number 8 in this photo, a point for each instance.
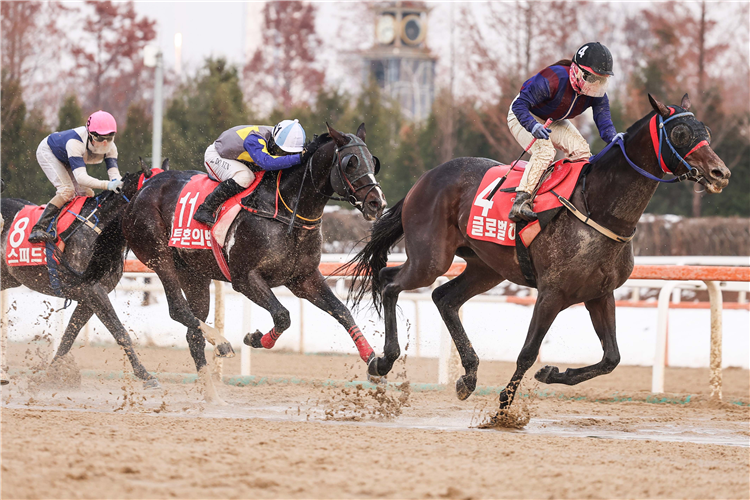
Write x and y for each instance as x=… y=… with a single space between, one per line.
x=16 y=236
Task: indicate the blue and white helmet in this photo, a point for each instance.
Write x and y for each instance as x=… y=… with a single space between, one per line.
x=289 y=136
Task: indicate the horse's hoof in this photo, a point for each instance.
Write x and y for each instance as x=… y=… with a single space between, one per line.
x=151 y=384
x=372 y=367
x=253 y=339
x=224 y=350
x=546 y=373
x=464 y=390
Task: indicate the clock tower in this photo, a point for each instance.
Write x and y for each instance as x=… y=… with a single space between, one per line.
x=400 y=61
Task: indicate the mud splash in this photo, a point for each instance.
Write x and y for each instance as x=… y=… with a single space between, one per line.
x=360 y=403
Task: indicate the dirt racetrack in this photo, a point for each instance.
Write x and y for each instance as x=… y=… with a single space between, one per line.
x=310 y=437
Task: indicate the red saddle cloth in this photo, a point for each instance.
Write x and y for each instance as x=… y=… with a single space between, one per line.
x=488 y=220
x=189 y=233
x=18 y=251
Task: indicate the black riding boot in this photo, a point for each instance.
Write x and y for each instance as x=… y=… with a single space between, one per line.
x=522 y=208
x=213 y=201
x=39 y=232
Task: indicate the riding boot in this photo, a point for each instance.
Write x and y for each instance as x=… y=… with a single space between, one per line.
x=213 y=201
x=522 y=208
x=39 y=233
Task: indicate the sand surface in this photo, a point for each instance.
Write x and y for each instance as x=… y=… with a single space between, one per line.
x=92 y=437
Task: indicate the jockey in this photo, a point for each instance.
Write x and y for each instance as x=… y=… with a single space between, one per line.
x=63 y=157
x=230 y=158
x=563 y=90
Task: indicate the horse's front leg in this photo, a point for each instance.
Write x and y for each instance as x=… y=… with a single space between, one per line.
x=548 y=306
x=81 y=315
x=315 y=290
x=602 y=312
x=255 y=288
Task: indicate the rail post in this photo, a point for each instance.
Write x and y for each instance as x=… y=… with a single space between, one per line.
x=662 y=325
x=218 y=371
x=245 y=349
x=4 y=309
x=714 y=294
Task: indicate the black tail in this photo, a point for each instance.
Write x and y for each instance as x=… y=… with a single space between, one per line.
x=385 y=232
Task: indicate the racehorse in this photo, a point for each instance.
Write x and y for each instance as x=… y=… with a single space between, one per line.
x=262 y=250
x=90 y=267
x=572 y=261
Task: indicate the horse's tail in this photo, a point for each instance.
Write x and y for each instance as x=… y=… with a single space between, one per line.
x=386 y=231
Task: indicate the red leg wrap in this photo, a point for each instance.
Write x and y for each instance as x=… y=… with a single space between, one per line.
x=365 y=351
x=269 y=340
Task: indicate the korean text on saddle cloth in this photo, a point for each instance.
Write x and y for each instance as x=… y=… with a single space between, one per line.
x=18 y=251
x=488 y=219
x=186 y=232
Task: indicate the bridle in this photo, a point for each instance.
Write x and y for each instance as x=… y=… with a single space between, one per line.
x=341 y=184
x=659 y=136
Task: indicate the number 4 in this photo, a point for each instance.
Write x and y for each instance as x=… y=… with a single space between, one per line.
x=481 y=200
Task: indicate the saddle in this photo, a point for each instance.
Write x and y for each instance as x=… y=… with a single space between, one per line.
x=488 y=219
x=19 y=252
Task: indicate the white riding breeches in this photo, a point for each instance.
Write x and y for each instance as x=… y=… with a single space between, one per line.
x=223 y=169
x=60 y=176
x=564 y=136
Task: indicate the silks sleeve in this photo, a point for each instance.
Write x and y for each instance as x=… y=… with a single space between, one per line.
x=257 y=148
x=536 y=92
x=603 y=119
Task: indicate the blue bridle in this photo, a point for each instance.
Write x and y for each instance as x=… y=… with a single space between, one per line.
x=691 y=174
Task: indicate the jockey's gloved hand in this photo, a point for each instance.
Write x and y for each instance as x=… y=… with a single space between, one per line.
x=540 y=132
x=115 y=185
x=620 y=136
x=309 y=150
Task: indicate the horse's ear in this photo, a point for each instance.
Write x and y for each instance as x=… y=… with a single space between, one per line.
x=165 y=164
x=685 y=104
x=337 y=136
x=658 y=107
x=144 y=166
x=361 y=132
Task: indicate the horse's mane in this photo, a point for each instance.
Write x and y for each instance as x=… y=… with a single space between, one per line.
x=321 y=139
x=634 y=128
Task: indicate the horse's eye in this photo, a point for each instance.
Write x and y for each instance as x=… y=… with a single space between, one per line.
x=680 y=136
x=352 y=164
x=708 y=131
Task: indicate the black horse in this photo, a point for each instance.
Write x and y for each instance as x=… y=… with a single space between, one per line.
x=572 y=262
x=90 y=267
x=262 y=250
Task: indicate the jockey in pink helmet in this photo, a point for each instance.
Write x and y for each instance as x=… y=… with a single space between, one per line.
x=63 y=157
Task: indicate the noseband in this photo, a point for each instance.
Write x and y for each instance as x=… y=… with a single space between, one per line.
x=656 y=139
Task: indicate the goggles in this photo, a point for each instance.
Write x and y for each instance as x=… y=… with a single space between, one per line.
x=102 y=138
x=593 y=77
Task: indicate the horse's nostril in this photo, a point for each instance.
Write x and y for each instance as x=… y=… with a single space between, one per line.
x=717 y=173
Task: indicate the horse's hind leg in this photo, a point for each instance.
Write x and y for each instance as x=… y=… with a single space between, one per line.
x=96 y=299
x=477 y=278
x=548 y=306
x=602 y=312
x=81 y=315
x=414 y=273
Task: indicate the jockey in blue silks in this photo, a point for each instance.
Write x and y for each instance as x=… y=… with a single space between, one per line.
x=63 y=157
x=561 y=91
x=230 y=159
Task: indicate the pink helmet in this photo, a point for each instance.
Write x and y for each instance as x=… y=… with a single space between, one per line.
x=101 y=123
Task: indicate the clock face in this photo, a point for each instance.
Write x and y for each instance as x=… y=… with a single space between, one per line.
x=386 y=29
x=413 y=32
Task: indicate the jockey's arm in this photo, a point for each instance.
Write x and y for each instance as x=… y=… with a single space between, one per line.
x=257 y=148
x=75 y=151
x=533 y=94
x=110 y=160
x=603 y=119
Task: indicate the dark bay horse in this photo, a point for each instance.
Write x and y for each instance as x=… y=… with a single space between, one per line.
x=261 y=250
x=573 y=262
x=91 y=266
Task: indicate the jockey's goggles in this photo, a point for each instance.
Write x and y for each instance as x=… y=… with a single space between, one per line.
x=593 y=77
x=102 y=138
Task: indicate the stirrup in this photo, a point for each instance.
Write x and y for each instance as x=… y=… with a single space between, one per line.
x=522 y=208
x=41 y=236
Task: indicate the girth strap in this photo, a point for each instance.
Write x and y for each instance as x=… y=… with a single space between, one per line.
x=592 y=223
